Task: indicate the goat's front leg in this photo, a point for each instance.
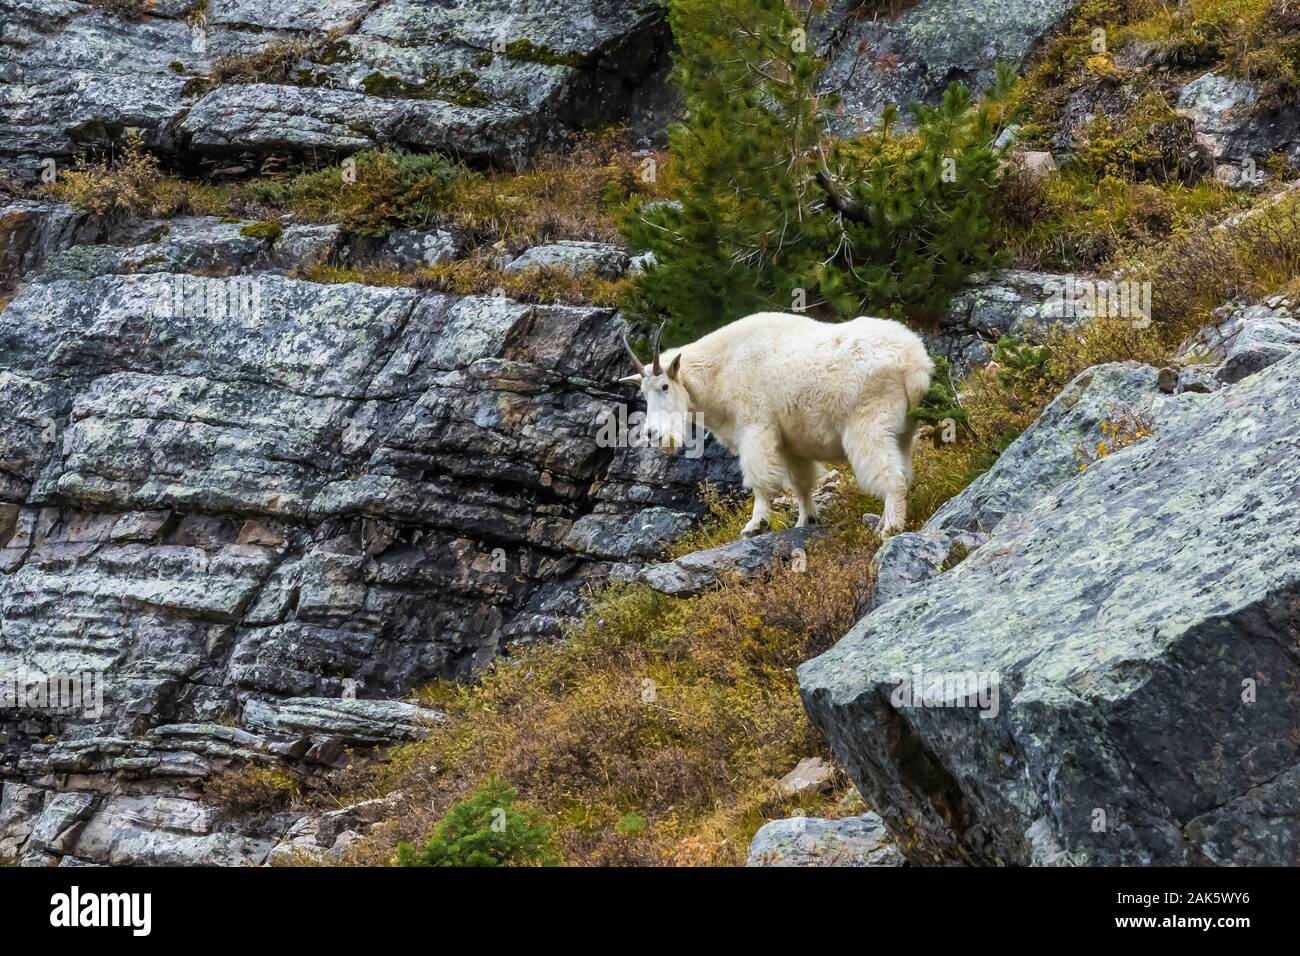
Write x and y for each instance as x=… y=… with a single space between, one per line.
x=763 y=469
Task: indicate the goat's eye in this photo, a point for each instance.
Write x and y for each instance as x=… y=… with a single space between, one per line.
x=664 y=387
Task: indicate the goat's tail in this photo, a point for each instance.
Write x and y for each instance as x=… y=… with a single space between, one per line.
x=916 y=381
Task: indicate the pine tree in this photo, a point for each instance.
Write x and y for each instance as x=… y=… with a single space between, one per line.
x=745 y=230
x=767 y=206
x=483 y=829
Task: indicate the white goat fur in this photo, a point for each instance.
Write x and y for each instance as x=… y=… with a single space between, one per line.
x=786 y=392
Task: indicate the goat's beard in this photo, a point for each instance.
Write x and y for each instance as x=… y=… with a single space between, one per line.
x=684 y=431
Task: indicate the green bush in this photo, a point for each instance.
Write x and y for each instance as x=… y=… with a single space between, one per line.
x=385 y=190
x=764 y=208
x=483 y=829
x=1021 y=365
x=941 y=403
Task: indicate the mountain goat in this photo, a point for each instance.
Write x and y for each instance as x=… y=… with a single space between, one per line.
x=785 y=393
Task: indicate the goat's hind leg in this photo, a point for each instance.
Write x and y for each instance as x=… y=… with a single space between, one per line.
x=882 y=468
x=803 y=478
x=764 y=471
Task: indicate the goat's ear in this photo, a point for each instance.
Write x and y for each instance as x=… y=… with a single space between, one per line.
x=634 y=379
x=675 y=365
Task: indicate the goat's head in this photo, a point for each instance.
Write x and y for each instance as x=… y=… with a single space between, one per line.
x=667 y=403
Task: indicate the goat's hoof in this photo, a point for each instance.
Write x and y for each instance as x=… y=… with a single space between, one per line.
x=752 y=529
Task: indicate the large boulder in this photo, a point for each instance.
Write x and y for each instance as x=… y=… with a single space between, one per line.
x=1112 y=677
x=1047 y=453
x=811 y=841
x=1239 y=127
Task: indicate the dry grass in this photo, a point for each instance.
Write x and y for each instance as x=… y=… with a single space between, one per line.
x=562 y=196
x=130 y=183
x=1251 y=255
x=252 y=789
x=680 y=715
x=481 y=277
x=277 y=62
x=1076 y=220
x=372 y=193
x=570 y=194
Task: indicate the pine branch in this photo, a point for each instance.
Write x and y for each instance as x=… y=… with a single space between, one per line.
x=842 y=204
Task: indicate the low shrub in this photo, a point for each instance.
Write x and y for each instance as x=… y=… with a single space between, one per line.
x=277 y=62
x=375 y=192
x=252 y=788
x=483 y=829
x=571 y=195
x=130 y=183
x=1249 y=254
x=1120 y=429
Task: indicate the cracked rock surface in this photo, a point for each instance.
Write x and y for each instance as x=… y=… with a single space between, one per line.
x=263 y=510
x=1136 y=622
x=490 y=81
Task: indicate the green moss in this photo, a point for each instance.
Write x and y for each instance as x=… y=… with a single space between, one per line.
x=377 y=84
x=335 y=51
x=529 y=52
x=631 y=825
x=176 y=66
x=956 y=555
x=457 y=88
x=270 y=231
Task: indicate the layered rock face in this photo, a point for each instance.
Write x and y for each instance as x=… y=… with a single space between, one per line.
x=1112 y=677
x=257 y=509
x=875 y=60
x=491 y=81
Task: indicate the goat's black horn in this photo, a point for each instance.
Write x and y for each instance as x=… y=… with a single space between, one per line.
x=631 y=352
x=657 y=369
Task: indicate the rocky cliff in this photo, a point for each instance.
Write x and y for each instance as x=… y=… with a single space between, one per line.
x=261 y=508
